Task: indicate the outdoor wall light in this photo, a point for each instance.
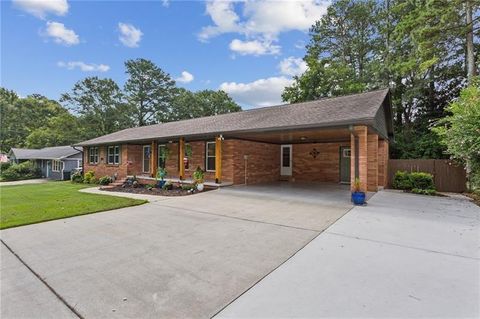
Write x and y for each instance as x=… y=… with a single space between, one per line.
x=303 y=138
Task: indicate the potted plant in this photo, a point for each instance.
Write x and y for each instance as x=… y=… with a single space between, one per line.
x=358 y=197
x=198 y=176
x=161 y=174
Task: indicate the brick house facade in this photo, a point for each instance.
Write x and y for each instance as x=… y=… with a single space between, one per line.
x=309 y=151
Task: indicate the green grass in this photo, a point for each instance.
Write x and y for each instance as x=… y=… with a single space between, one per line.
x=28 y=204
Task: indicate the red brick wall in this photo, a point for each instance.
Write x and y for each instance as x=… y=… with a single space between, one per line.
x=103 y=169
x=324 y=168
x=263 y=163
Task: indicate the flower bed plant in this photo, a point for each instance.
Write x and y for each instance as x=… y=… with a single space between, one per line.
x=168 y=189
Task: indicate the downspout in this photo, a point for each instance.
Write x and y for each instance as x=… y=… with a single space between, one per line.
x=356 y=150
x=83 y=159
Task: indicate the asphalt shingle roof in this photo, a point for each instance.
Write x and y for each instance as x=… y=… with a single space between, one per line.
x=359 y=108
x=56 y=152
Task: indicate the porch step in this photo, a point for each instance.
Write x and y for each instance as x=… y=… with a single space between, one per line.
x=118 y=182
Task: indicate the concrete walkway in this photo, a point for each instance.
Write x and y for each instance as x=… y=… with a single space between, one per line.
x=25 y=182
x=150 y=198
x=401 y=256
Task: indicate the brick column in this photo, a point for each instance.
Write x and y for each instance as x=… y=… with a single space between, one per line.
x=382 y=163
x=218 y=159
x=358 y=139
x=372 y=162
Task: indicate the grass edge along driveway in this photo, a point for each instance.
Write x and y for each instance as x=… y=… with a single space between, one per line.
x=35 y=203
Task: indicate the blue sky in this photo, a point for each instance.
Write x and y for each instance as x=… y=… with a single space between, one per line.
x=251 y=49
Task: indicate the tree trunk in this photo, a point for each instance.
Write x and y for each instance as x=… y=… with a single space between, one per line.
x=471 y=70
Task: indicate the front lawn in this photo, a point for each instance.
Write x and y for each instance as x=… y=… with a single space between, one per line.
x=28 y=204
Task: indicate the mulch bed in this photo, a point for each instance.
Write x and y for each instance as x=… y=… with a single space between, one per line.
x=155 y=191
x=475 y=197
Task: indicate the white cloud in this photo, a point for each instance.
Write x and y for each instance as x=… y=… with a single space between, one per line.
x=224 y=18
x=262 y=92
x=166 y=3
x=61 y=34
x=82 y=66
x=186 y=77
x=254 y=47
x=292 y=66
x=40 y=8
x=265 y=18
x=130 y=36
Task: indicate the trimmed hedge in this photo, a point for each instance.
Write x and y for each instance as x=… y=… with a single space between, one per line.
x=415 y=182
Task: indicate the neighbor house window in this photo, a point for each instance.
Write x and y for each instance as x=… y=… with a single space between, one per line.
x=210 y=156
x=162 y=155
x=56 y=166
x=93 y=155
x=113 y=155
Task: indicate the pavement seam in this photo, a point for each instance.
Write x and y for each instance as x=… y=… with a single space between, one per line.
x=281 y=264
x=62 y=300
x=243 y=219
x=403 y=246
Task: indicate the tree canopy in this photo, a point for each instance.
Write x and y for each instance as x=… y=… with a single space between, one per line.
x=416 y=48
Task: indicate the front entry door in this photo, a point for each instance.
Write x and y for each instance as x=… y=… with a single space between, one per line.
x=345 y=164
x=286 y=160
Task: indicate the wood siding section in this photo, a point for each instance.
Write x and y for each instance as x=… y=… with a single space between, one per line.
x=325 y=167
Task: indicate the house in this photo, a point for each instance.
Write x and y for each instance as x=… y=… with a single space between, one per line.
x=55 y=162
x=326 y=140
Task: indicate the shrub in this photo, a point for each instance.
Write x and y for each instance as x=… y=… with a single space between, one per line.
x=25 y=170
x=187 y=187
x=4 y=166
x=77 y=177
x=401 y=180
x=105 y=180
x=89 y=176
x=422 y=180
x=149 y=186
x=423 y=191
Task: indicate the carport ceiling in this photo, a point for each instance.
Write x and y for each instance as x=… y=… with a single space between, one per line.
x=298 y=136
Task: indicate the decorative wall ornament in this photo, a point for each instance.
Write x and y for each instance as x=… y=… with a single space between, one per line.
x=314 y=153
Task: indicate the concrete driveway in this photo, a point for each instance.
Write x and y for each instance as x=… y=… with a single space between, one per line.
x=176 y=257
x=402 y=256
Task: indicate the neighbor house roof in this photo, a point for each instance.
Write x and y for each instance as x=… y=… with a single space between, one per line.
x=371 y=108
x=57 y=152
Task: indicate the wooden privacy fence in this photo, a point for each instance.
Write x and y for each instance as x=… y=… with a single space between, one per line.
x=447 y=176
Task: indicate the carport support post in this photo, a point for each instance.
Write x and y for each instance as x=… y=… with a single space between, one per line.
x=358 y=149
x=154 y=158
x=218 y=159
x=181 y=155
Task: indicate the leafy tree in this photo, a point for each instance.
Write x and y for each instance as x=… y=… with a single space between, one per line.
x=343 y=53
x=21 y=116
x=417 y=48
x=460 y=131
x=149 y=91
x=64 y=129
x=100 y=106
x=187 y=104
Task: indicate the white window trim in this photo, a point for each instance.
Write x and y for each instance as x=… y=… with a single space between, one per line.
x=346 y=151
x=95 y=157
x=59 y=166
x=143 y=159
x=206 y=156
x=108 y=155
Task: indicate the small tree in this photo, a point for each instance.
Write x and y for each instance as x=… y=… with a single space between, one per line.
x=460 y=131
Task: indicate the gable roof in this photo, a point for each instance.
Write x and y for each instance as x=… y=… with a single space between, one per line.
x=361 y=108
x=57 y=152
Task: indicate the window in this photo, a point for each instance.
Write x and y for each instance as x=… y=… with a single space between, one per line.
x=210 y=156
x=346 y=152
x=93 y=155
x=79 y=164
x=56 y=166
x=113 y=155
x=146 y=158
x=188 y=155
x=285 y=156
x=162 y=155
